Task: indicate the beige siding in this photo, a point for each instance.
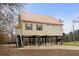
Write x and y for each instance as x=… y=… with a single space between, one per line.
x=53 y=30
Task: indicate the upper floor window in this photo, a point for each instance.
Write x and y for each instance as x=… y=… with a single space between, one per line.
x=38 y=26
x=28 y=26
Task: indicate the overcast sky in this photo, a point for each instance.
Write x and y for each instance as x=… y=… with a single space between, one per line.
x=66 y=12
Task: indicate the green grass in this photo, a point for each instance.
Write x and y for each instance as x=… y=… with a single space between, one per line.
x=75 y=43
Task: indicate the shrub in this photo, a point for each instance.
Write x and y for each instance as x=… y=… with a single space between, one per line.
x=2 y=38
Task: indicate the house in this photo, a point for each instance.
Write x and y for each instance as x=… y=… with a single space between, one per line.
x=35 y=25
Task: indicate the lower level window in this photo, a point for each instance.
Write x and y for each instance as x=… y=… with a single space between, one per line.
x=28 y=26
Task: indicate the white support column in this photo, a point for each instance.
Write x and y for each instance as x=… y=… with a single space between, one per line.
x=17 y=42
x=22 y=45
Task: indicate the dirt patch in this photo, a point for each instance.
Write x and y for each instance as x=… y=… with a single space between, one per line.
x=9 y=50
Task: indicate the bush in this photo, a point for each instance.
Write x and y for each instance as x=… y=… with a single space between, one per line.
x=2 y=38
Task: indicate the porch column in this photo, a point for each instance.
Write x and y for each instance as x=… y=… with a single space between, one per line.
x=45 y=40
x=62 y=40
x=29 y=40
x=38 y=41
x=51 y=39
x=19 y=41
x=56 y=40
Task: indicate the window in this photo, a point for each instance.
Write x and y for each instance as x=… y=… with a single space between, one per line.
x=28 y=26
x=38 y=26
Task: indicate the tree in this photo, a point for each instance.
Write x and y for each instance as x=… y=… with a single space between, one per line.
x=69 y=36
x=1 y=37
x=8 y=17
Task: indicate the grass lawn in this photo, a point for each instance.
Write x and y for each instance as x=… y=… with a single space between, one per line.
x=75 y=43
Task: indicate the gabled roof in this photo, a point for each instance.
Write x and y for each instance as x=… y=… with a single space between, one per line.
x=32 y=17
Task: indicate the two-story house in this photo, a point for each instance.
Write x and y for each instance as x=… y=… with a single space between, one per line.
x=33 y=26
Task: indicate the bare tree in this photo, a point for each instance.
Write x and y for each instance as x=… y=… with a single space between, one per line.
x=9 y=17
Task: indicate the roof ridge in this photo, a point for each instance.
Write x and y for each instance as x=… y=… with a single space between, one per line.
x=37 y=14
